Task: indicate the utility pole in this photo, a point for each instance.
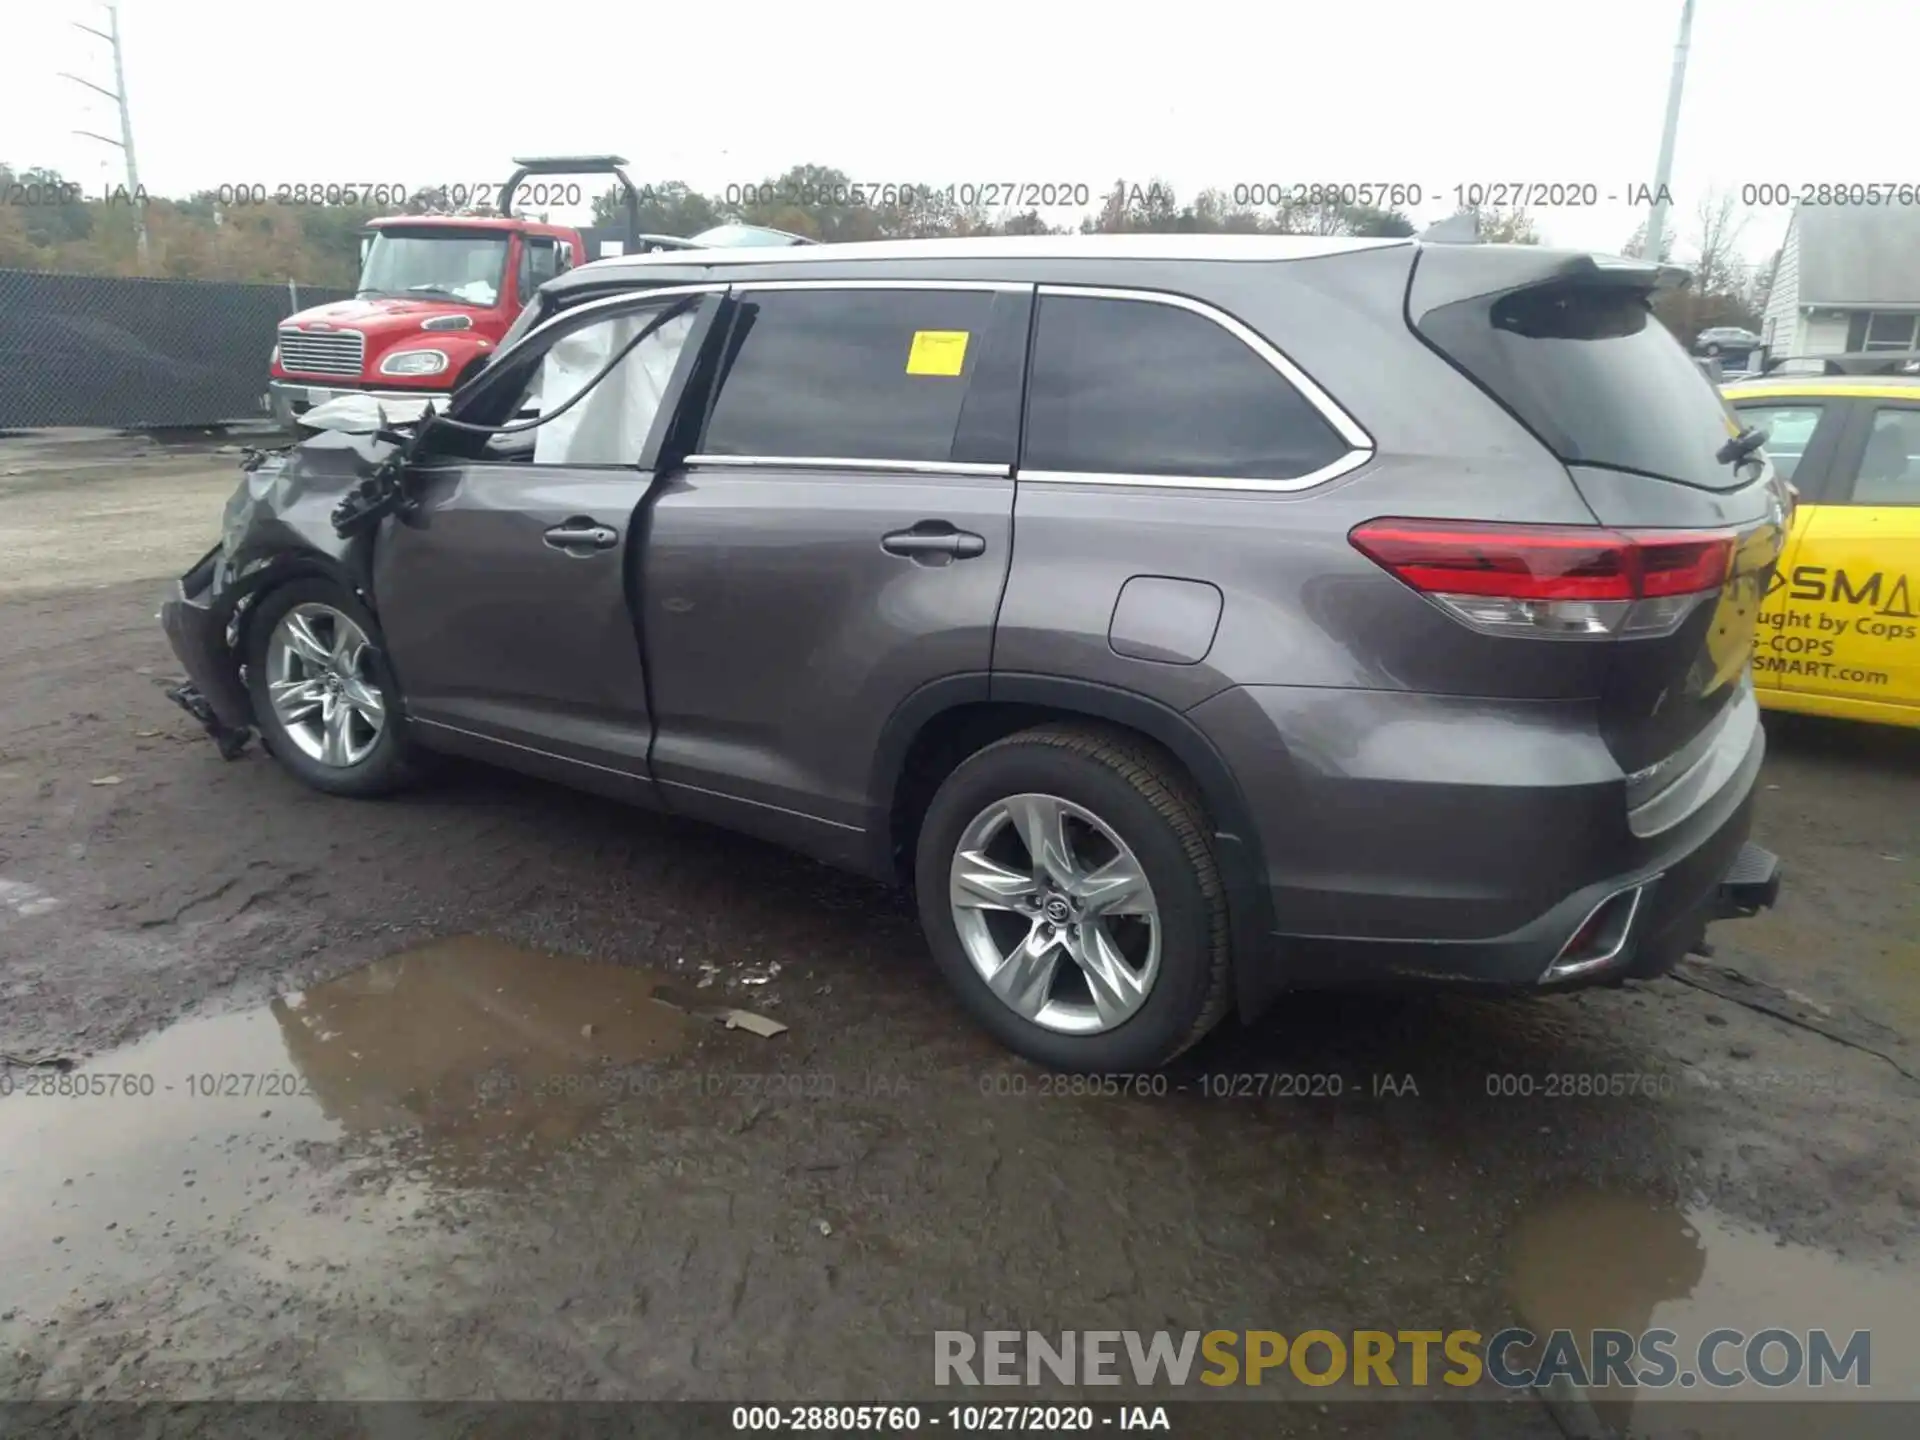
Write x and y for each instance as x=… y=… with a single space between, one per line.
x=1663 y=173
x=119 y=97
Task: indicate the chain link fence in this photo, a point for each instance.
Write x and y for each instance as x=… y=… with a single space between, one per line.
x=98 y=350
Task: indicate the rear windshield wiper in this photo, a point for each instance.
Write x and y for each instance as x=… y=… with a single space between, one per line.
x=1741 y=445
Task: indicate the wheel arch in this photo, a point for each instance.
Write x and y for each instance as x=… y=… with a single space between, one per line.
x=285 y=568
x=944 y=721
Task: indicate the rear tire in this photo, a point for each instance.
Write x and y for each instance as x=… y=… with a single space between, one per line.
x=1102 y=946
x=323 y=696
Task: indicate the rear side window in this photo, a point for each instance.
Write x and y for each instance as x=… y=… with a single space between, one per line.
x=1592 y=372
x=848 y=374
x=1890 y=466
x=1789 y=431
x=1134 y=387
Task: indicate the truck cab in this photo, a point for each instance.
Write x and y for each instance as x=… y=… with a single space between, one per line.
x=438 y=293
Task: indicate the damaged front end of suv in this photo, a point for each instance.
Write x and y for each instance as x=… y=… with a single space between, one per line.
x=304 y=510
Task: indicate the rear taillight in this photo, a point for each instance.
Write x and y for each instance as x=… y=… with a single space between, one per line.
x=1567 y=581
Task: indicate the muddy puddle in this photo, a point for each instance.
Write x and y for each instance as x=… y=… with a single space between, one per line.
x=1596 y=1260
x=440 y=1066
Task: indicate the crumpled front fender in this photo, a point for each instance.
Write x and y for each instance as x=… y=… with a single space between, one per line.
x=278 y=526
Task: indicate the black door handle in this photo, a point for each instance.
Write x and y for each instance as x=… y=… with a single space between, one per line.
x=934 y=541
x=582 y=533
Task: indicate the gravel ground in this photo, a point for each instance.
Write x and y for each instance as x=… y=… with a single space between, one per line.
x=429 y=1097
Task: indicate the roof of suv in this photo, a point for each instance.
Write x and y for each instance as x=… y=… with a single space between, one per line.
x=987 y=247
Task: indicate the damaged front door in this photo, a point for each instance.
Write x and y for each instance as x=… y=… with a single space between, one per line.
x=503 y=593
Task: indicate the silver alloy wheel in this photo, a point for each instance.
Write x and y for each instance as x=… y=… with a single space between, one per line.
x=1036 y=879
x=316 y=678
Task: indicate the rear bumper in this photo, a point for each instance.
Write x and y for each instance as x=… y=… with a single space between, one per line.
x=1476 y=843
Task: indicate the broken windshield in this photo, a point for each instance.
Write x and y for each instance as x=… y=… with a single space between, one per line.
x=437 y=265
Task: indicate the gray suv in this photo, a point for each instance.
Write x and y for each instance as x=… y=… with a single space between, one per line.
x=1182 y=618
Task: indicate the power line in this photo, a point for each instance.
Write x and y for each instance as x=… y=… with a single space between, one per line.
x=125 y=143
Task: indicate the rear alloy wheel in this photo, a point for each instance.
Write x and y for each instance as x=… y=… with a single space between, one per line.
x=1056 y=914
x=321 y=695
x=1069 y=892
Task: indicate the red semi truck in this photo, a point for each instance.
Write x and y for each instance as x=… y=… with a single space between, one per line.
x=437 y=293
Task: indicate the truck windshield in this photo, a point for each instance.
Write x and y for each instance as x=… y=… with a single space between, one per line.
x=436 y=265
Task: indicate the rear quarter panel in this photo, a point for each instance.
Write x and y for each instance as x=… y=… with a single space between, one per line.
x=1300 y=605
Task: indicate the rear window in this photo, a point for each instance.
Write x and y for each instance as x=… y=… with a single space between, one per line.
x=1593 y=373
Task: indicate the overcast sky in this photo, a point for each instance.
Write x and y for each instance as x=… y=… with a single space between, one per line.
x=1201 y=92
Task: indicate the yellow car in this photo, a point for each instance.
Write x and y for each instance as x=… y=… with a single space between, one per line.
x=1840 y=627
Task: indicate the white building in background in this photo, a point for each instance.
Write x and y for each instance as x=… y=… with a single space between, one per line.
x=1847 y=282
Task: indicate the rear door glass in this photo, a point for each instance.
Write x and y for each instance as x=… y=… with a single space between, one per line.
x=848 y=374
x=1591 y=371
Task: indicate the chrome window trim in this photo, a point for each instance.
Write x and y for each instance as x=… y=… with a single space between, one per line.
x=1344 y=425
x=830 y=462
x=1352 y=460
x=990 y=286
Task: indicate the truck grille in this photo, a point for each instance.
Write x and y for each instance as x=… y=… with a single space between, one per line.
x=324 y=352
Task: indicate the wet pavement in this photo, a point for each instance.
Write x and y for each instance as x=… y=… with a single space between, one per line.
x=435 y=1098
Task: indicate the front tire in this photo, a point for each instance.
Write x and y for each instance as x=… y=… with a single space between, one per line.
x=323 y=697
x=1070 y=895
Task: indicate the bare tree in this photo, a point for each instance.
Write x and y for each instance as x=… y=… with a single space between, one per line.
x=1718 y=225
x=1499 y=225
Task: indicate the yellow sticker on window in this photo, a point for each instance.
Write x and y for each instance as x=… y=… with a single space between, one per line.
x=937 y=352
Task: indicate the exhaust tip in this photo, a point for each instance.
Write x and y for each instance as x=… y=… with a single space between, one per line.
x=1598 y=940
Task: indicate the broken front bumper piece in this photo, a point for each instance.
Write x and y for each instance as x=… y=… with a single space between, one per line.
x=231 y=740
x=196 y=629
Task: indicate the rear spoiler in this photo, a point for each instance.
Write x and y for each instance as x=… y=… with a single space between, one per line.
x=1447 y=273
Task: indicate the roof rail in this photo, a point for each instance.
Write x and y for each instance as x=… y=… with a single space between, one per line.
x=1863 y=362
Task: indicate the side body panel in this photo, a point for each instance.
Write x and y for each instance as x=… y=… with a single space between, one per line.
x=507 y=593
x=1857 y=574
x=791 y=604
x=781 y=636
x=493 y=631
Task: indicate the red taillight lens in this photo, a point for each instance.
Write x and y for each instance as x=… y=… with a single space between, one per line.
x=1566 y=580
x=1518 y=562
x=1683 y=564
